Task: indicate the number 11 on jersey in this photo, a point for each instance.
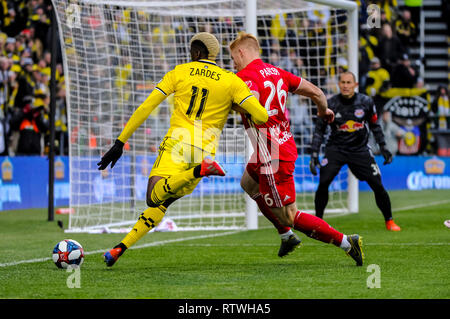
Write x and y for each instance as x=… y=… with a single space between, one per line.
x=204 y=97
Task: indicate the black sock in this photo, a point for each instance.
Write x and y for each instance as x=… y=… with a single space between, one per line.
x=384 y=203
x=121 y=245
x=197 y=171
x=381 y=197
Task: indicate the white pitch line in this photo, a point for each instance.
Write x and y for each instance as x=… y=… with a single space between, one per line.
x=421 y=205
x=14 y=263
x=399 y=209
x=156 y=243
x=212 y=245
x=316 y=244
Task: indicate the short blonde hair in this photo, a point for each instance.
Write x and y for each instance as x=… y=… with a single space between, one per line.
x=211 y=43
x=245 y=39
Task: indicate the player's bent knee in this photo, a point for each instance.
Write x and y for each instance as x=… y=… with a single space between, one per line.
x=149 y=200
x=151 y=204
x=151 y=184
x=291 y=212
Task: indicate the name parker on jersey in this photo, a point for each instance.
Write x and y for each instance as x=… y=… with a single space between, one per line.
x=269 y=71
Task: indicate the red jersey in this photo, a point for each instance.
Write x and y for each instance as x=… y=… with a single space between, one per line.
x=273 y=139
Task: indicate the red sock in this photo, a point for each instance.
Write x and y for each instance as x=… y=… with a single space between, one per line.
x=265 y=210
x=317 y=228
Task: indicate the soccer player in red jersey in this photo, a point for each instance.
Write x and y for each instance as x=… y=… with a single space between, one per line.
x=268 y=177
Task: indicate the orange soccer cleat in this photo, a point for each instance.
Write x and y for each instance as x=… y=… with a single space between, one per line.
x=112 y=255
x=210 y=167
x=390 y=225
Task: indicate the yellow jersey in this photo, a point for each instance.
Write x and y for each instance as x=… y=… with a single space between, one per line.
x=203 y=97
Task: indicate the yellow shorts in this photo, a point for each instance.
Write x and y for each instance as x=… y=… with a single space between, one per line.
x=174 y=158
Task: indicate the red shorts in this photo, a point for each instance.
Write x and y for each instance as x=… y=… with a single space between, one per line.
x=276 y=182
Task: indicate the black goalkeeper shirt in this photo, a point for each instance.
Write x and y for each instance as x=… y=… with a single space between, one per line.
x=354 y=118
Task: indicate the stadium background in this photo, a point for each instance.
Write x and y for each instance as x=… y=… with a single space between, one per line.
x=230 y=264
x=419 y=106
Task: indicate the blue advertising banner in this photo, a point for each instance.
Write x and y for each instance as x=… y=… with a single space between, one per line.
x=414 y=173
x=24 y=180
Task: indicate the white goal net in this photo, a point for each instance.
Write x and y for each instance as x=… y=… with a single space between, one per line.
x=115 y=51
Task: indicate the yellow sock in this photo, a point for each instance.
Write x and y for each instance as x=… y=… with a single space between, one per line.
x=149 y=219
x=166 y=188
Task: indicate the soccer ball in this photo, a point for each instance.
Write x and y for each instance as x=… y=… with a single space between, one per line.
x=68 y=252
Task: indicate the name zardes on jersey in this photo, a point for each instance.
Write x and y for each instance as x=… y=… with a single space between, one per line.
x=269 y=71
x=205 y=72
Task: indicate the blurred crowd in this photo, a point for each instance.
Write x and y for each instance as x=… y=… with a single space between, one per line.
x=309 y=44
x=25 y=45
x=385 y=63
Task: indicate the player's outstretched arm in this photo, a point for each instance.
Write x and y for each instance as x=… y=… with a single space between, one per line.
x=112 y=156
x=377 y=131
x=314 y=162
x=379 y=138
x=138 y=117
x=141 y=114
x=311 y=91
x=257 y=112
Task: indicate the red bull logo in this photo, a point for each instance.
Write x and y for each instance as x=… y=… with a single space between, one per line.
x=351 y=126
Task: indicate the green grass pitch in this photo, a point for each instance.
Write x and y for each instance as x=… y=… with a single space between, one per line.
x=412 y=263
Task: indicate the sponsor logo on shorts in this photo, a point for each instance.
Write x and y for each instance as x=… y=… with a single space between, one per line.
x=324 y=161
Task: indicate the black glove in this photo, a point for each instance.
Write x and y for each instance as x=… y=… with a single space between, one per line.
x=112 y=156
x=313 y=163
x=386 y=154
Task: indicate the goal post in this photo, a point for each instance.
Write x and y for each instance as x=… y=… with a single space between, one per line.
x=251 y=14
x=251 y=26
x=114 y=52
x=352 y=49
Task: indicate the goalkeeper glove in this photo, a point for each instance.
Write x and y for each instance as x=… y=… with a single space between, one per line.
x=313 y=163
x=386 y=154
x=112 y=156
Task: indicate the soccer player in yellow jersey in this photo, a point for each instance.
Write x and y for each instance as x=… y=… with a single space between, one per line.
x=203 y=96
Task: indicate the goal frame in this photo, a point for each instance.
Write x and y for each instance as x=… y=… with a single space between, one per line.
x=251 y=17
